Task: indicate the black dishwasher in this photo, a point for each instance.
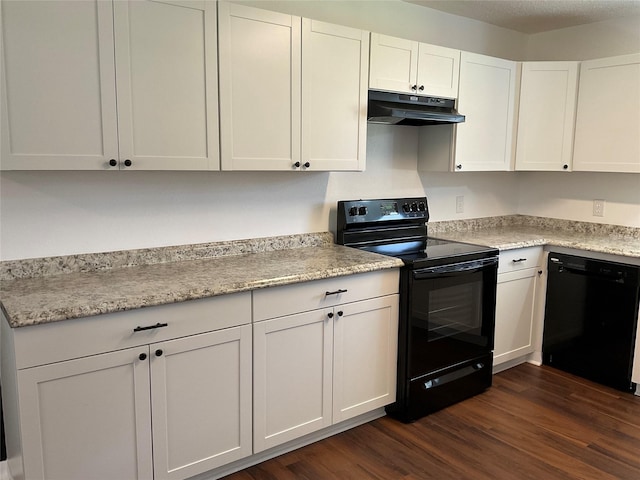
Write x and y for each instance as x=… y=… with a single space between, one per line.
x=591 y=316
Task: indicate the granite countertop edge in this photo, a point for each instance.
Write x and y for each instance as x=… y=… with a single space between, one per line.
x=34 y=301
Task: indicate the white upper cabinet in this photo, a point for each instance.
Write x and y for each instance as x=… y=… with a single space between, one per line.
x=61 y=84
x=58 y=90
x=400 y=65
x=334 y=96
x=608 y=117
x=293 y=92
x=546 y=119
x=167 y=90
x=260 y=100
x=487 y=98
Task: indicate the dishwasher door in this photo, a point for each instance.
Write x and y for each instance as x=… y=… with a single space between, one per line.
x=591 y=317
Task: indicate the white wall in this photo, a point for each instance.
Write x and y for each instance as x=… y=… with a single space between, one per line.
x=406 y=20
x=570 y=196
x=584 y=42
x=60 y=213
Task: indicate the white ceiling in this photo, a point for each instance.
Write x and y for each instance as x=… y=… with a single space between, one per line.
x=534 y=16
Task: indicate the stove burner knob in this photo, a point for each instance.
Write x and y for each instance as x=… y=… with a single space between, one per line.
x=406 y=208
x=422 y=207
x=353 y=211
x=414 y=207
x=362 y=211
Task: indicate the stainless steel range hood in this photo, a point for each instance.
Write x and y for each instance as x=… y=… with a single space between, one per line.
x=402 y=109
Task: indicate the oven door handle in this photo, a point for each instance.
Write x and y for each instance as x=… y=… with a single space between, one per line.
x=461 y=268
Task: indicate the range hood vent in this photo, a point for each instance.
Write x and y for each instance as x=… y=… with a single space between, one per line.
x=390 y=108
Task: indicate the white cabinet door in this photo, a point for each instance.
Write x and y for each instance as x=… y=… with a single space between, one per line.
x=167 y=90
x=487 y=95
x=400 y=65
x=607 y=120
x=546 y=117
x=58 y=91
x=394 y=64
x=201 y=399
x=514 y=315
x=438 y=71
x=292 y=374
x=260 y=85
x=87 y=418
x=365 y=356
x=334 y=96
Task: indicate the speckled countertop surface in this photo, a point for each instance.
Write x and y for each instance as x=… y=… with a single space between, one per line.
x=518 y=231
x=43 y=299
x=50 y=289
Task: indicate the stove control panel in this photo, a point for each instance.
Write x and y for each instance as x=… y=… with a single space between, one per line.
x=353 y=212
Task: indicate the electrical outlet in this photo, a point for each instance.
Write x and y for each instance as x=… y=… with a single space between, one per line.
x=598 y=208
x=460 y=204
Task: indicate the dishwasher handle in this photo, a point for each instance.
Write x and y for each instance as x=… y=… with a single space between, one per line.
x=602 y=272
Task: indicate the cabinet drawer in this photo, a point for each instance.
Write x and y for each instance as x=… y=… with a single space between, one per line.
x=519 y=259
x=302 y=297
x=68 y=339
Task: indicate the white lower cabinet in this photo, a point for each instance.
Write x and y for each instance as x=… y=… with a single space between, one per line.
x=168 y=409
x=87 y=418
x=316 y=368
x=515 y=303
x=174 y=391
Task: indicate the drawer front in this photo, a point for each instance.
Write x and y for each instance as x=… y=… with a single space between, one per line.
x=301 y=297
x=519 y=259
x=68 y=339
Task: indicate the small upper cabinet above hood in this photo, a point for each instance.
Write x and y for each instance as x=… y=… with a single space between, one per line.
x=399 y=109
x=406 y=66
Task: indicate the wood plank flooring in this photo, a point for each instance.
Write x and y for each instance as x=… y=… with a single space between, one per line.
x=533 y=423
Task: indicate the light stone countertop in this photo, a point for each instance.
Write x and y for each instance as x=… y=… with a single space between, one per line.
x=36 y=300
x=35 y=291
x=518 y=231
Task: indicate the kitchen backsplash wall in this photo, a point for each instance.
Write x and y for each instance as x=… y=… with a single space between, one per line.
x=59 y=213
x=570 y=196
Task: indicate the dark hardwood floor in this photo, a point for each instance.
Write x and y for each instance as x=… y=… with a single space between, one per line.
x=533 y=423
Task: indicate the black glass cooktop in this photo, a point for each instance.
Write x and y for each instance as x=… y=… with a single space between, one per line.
x=436 y=252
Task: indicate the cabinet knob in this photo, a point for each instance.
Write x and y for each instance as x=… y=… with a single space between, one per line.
x=127 y=163
x=414 y=87
x=458 y=167
x=297 y=164
x=142 y=356
x=113 y=162
x=159 y=353
x=330 y=314
x=421 y=88
x=340 y=313
x=306 y=165
x=539 y=272
x=565 y=167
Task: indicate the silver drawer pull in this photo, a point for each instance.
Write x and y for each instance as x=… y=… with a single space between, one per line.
x=519 y=260
x=150 y=327
x=340 y=290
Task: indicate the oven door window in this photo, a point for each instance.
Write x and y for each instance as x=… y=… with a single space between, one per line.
x=452 y=318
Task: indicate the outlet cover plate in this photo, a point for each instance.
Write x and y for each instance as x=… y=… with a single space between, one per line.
x=598 y=208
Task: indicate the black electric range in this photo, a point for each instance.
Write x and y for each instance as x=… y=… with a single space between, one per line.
x=447 y=302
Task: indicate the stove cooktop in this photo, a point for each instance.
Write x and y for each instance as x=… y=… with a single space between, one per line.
x=398 y=227
x=436 y=252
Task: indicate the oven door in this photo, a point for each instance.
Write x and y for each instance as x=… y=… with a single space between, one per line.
x=451 y=314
